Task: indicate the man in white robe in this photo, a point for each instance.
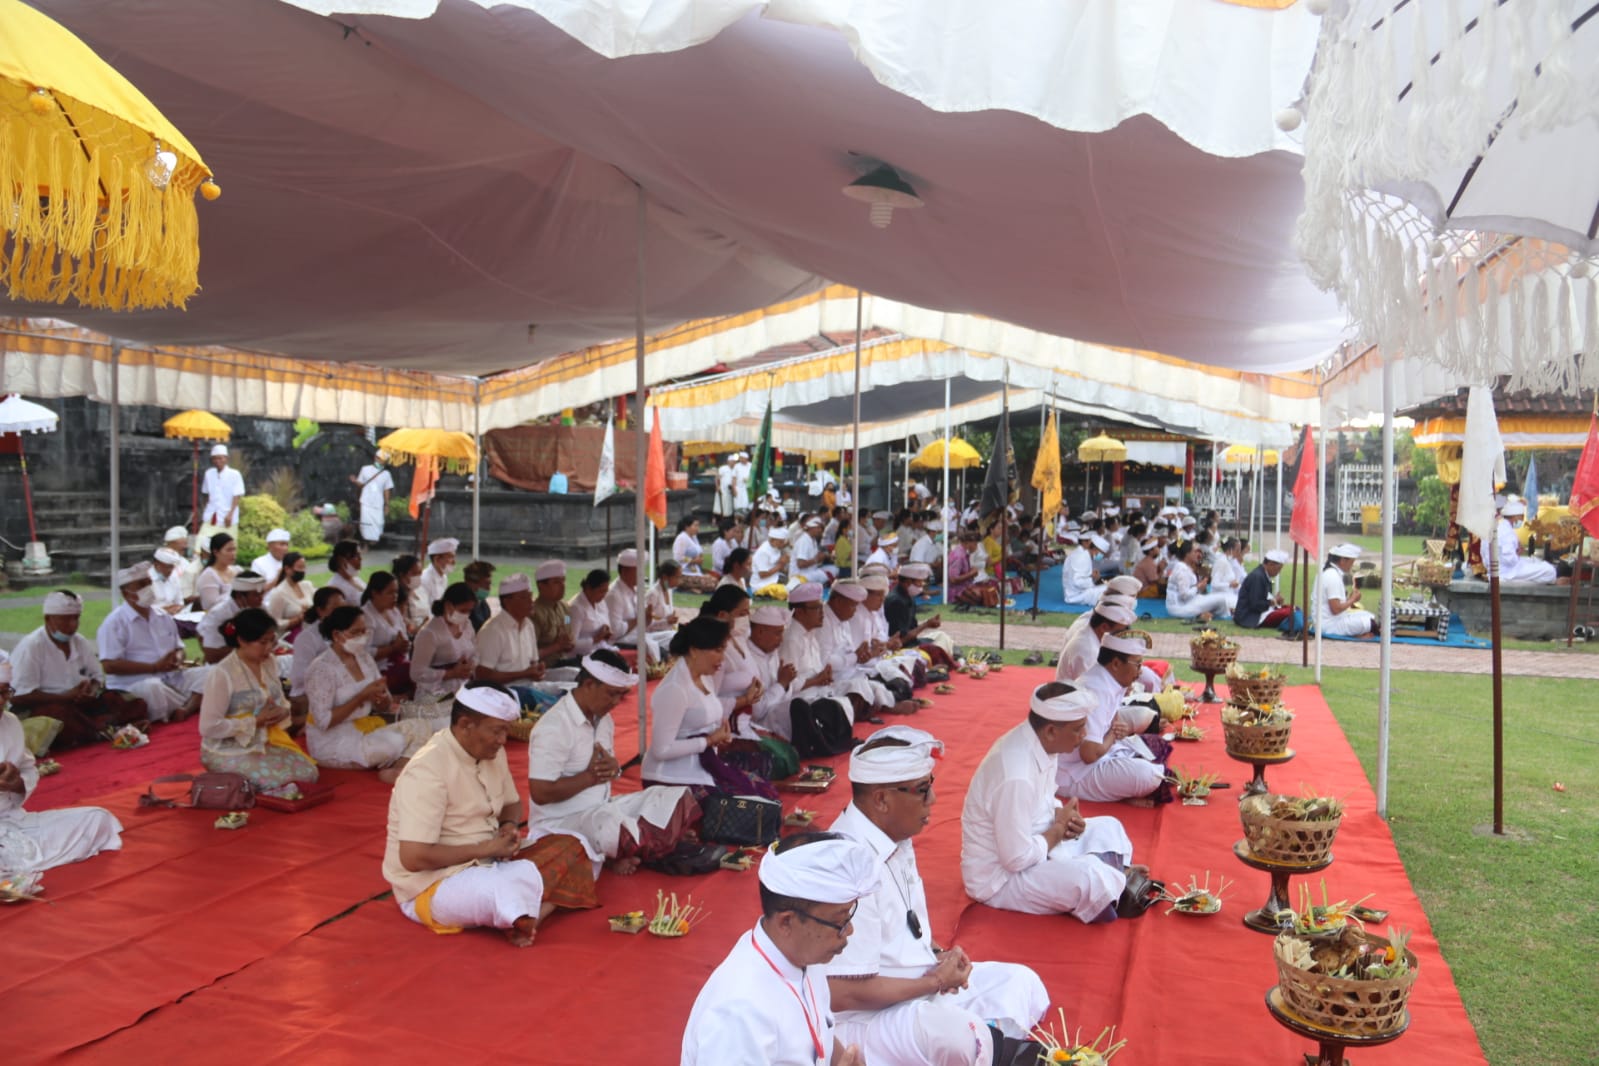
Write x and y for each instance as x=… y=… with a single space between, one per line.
x=768 y=1003
x=853 y=662
x=621 y=611
x=770 y=712
x=722 y=501
x=1022 y=849
x=896 y=993
x=1114 y=761
x=375 y=484
x=886 y=554
x=56 y=674
x=804 y=650
x=1513 y=566
x=223 y=487
x=1077 y=574
x=188 y=569
x=1338 y=611
x=1081 y=650
x=870 y=627
x=270 y=565
x=142 y=653
x=741 y=483
x=805 y=560
x=166 y=578
x=36 y=841
x=770 y=562
x=436 y=575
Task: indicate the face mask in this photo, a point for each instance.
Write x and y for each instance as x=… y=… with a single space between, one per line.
x=459 y=618
x=297 y=576
x=145 y=597
x=59 y=638
x=915 y=589
x=413 y=581
x=741 y=627
x=482 y=594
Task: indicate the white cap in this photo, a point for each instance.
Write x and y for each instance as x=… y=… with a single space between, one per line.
x=916 y=572
x=849 y=590
x=1149 y=545
x=247 y=582
x=769 y=615
x=627 y=557
x=887 y=539
x=893 y=763
x=1277 y=555
x=1345 y=551
x=443 y=546
x=219 y=449
x=1112 y=512
x=61 y=602
x=129 y=574
x=882 y=516
x=1072 y=706
x=1125 y=584
x=824 y=871
x=1099 y=542
x=1180 y=509
x=808 y=592
x=1125 y=645
x=549 y=570
x=1070 y=537
x=1514 y=509
x=773 y=494
x=1089 y=516
x=873 y=582
x=606 y=674
x=278 y=535
x=490 y=701
x=1115 y=612
x=175 y=533
x=514 y=583
x=777 y=533
x=873 y=568
x=814 y=521
x=167 y=557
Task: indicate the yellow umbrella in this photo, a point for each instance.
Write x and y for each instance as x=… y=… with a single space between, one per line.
x=454 y=450
x=819 y=456
x=1243 y=455
x=196 y=426
x=1102 y=449
x=113 y=222
x=698 y=449
x=962 y=456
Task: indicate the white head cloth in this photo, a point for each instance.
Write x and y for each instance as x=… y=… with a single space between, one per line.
x=278 y=535
x=1070 y=537
x=175 y=533
x=490 y=701
x=219 y=449
x=168 y=557
x=1514 y=509
x=513 y=584
x=916 y=572
x=443 y=546
x=877 y=568
x=778 y=533
x=882 y=516
x=247 y=582
x=769 y=615
x=826 y=871
x=1346 y=551
x=1072 y=706
x=62 y=603
x=814 y=522
x=887 y=539
x=874 y=582
x=1125 y=584
x=1277 y=555
x=1118 y=599
x=1125 y=645
x=1115 y=612
x=1099 y=542
x=129 y=574
x=808 y=592
x=549 y=570
x=627 y=557
x=1149 y=545
x=608 y=675
x=849 y=590
x=893 y=763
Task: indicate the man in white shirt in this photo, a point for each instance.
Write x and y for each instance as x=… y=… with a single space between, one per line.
x=1338 y=610
x=929 y=550
x=621 y=610
x=804 y=650
x=61 y=836
x=142 y=653
x=898 y=995
x=741 y=483
x=571 y=762
x=436 y=575
x=1077 y=574
x=1022 y=849
x=806 y=559
x=851 y=658
x=767 y=1003
x=771 y=710
x=270 y=565
x=1081 y=650
x=722 y=502
x=591 y=622
x=244 y=591
x=1513 y=566
x=1115 y=760
x=223 y=487
x=886 y=554
x=507 y=645
x=176 y=541
x=770 y=563
x=55 y=673
x=376 y=484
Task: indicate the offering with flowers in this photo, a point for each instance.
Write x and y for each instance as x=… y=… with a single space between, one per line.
x=1349 y=982
x=1068 y=1047
x=1193 y=788
x=673 y=918
x=126 y=738
x=16 y=887
x=1197 y=898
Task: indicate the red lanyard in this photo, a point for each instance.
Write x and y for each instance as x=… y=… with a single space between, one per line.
x=816 y=1040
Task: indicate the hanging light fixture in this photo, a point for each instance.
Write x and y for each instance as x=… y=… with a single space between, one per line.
x=883 y=190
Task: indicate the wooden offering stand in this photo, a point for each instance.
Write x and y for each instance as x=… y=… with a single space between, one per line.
x=1257 y=784
x=1330 y=1044
x=1264 y=920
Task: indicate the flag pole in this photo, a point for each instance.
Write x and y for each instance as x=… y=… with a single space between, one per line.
x=1498 y=688
x=640 y=460
x=1321 y=514
x=1004 y=510
x=855 y=471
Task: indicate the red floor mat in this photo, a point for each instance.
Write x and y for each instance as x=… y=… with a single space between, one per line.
x=1181 y=989
x=101 y=769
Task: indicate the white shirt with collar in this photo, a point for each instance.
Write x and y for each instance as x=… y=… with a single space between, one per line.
x=38 y=665
x=267 y=567
x=126 y=634
x=222 y=488
x=759 y=1009
x=432 y=585
x=505 y=644
x=587 y=620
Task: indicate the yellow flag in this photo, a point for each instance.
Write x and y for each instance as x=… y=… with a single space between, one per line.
x=1046 y=471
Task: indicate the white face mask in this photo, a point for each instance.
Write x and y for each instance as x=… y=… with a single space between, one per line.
x=145 y=597
x=741 y=628
x=413 y=581
x=914 y=588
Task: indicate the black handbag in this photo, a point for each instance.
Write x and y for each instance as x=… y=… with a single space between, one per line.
x=744 y=821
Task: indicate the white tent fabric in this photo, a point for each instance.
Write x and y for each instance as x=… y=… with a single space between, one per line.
x=457 y=192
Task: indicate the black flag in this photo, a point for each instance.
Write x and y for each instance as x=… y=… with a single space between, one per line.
x=999 y=487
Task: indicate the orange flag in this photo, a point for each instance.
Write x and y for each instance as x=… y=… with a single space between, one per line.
x=1585 y=486
x=423 y=481
x=655 y=476
x=1304 y=528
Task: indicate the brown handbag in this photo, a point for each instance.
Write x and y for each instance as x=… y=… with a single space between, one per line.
x=207 y=792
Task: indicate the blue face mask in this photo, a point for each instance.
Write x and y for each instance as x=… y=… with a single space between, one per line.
x=59 y=638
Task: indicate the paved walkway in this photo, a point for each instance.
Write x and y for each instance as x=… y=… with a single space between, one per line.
x=1363 y=656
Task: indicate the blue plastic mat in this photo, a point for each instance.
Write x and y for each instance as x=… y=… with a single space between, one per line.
x=1458 y=637
x=1050 y=598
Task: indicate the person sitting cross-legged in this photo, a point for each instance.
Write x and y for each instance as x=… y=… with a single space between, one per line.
x=142 y=653
x=1116 y=759
x=454 y=854
x=57 y=676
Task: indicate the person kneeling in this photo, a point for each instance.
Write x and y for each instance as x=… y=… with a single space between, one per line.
x=448 y=868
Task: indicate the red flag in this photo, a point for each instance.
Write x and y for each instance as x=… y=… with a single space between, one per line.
x=1304 y=527
x=1585 y=486
x=655 y=476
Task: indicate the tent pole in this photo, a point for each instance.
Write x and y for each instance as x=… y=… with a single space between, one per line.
x=1321 y=521
x=855 y=474
x=116 y=458
x=1498 y=686
x=194 y=492
x=477 y=470
x=949 y=439
x=1386 y=656
x=640 y=461
x=1305 y=569
x=1277 y=535
x=1004 y=510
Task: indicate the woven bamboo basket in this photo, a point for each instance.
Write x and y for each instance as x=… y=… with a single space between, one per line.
x=1433 y=573
x=1256 y=739
x=521 y=729
x=1245 y=687
x=1139 y=634
x=1291 y=841
x=1211 y=658
x=1342 y=1004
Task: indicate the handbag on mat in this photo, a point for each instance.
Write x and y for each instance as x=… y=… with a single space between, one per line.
x=747 y=821
x=208 y=792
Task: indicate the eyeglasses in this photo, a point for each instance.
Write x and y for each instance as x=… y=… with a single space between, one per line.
x=924 y=790
x=837 y=927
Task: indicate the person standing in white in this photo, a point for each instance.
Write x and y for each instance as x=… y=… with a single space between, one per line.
x=741 y=483
x=37 y=841
x=142 y=653
x=376 y=484
x=722 y=502
x=223 y=487
x=767 y=1003
x=898 y=995
x=1338 y=610
x=1024 y=850
x=1513 y=566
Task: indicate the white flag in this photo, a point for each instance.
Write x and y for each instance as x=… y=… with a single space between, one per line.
x=1482 y=466
x=605 y=480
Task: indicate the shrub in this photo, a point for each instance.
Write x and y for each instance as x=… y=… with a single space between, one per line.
x=305 y=536
x=258 y=515
x=304 y=430
x=283 y=485
x=1432 y=511
x=399 y=508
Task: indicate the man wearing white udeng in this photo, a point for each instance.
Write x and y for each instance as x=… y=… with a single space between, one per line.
x=223 y=488
x=904 y=1000
x=1338 y=610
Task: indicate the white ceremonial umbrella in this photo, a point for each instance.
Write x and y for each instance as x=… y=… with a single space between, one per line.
x=21 y=416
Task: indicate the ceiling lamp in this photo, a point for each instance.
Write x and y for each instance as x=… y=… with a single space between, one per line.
x=883 y=190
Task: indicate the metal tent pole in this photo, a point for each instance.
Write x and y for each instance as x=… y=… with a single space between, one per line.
x=1277 y=535
x=640 y=460
x=116 y=458
x=855 y=473
x=1386 y=656
x=949 y=439
x=477 y=469
x=1321 y=528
